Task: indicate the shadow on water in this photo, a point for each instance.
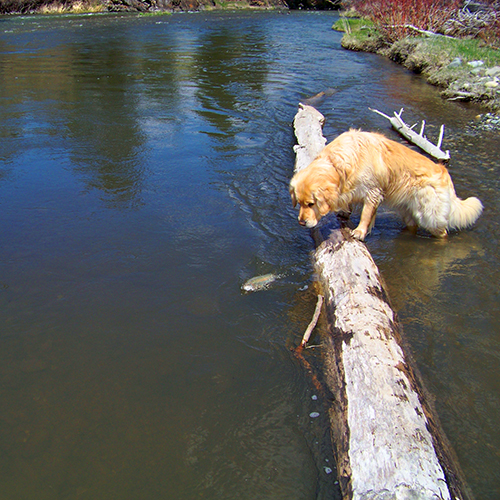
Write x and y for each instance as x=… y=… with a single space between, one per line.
x=143 y=178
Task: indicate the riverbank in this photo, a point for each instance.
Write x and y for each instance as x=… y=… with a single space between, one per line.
x=151 y=6
x=465 y=69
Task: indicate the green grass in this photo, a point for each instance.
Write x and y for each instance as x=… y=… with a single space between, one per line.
x=438 y=50
x=431 y=56
x=467 y=50
x=156 y=13
x=353 y=24
x=360 y=34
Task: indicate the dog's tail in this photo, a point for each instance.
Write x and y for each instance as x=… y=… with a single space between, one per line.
x=463 y=213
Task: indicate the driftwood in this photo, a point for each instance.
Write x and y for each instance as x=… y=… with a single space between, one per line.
x=420 y=31
x=386 y=438
x=312 y=324
x=418 y=139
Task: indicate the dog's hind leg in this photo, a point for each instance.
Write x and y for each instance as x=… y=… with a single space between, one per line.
x=432 y=210
x=439 y=232
x=408 y=219
x=411 y=225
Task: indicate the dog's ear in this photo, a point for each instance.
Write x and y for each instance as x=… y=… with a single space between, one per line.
x=326 y=198
x=321 y=201
x=293 y=196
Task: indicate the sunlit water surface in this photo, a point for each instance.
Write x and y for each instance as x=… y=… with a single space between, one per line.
x=144 y=164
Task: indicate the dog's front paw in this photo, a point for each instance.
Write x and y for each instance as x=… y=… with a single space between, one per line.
x=359 y=234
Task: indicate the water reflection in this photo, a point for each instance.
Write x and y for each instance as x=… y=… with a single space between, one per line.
x=427 y=261
x=92 y=115
x=230 y=70
x=102 y=123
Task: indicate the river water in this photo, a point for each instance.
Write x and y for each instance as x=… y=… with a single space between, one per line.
x=144 y=163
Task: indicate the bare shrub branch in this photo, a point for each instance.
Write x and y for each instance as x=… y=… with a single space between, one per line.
x=401 y=18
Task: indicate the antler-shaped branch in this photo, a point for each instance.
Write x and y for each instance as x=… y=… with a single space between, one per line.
x=418 y=139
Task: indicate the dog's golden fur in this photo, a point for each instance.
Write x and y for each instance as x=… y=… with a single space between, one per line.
x=368 y=168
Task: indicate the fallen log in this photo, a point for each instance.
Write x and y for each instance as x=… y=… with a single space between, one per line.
x=308 y=126
x=386 y=436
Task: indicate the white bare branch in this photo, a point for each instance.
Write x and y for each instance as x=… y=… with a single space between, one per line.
x=418 y=30
x=418 y=139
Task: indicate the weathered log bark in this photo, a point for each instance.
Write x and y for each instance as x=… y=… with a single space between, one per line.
x=386 y=437
x=308 y=126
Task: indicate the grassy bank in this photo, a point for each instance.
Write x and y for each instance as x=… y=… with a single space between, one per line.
x=466 y=69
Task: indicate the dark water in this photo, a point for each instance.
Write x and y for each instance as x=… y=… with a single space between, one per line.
x=144 y=164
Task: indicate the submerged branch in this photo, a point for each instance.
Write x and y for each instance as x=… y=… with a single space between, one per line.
x=313 y=322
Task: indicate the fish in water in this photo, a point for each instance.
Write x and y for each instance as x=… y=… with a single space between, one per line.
x=315 y=99
x=258 y=283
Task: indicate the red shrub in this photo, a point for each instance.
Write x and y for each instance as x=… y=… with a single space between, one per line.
x=400 y=18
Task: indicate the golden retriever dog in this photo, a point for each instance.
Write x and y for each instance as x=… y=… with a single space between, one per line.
x=368 y=168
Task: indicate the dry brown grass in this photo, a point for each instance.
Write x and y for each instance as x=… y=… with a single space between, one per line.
x=77 y=7
x=51 y=7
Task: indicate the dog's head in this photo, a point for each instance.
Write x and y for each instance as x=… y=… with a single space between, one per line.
x=315 y=192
